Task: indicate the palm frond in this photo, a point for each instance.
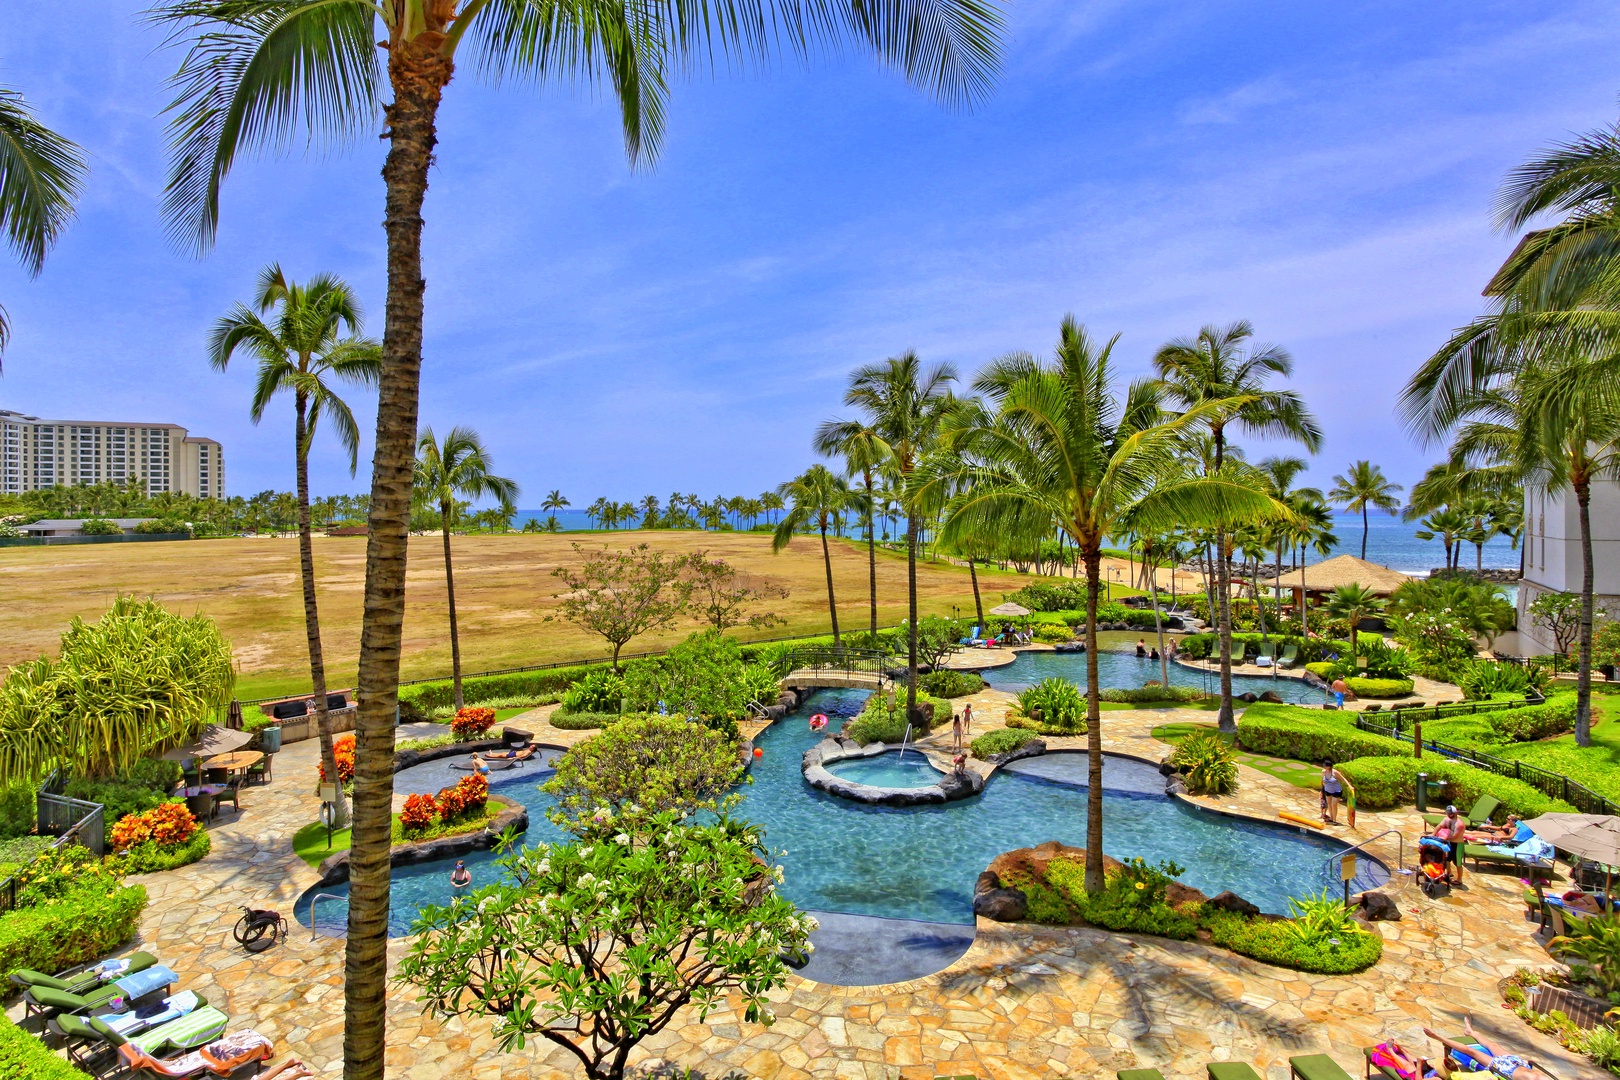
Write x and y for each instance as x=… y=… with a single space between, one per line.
x=40 y=176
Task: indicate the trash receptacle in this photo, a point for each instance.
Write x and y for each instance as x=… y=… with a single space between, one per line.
x=270 y=738
x=1429 y=789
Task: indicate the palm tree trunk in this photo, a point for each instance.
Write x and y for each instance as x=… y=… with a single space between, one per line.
x=871 y=555
x=418 y=74
x=1363 y=530
x=1583 y=683
x=1092 y=549
x=911 y=617
x=312 y=619
x=1158 y=626
x=832 y=603
x=450 y=594
x=978 y=604
x=1223 y=589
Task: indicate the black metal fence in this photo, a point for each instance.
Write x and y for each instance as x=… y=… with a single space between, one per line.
x=1552 y=784
x=70 y=821
x=840 y=658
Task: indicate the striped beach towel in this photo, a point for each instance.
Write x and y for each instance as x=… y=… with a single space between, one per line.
x=193 y=1029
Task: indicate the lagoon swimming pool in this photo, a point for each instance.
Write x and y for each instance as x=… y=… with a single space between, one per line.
x=921 y=862
x=1126 y=670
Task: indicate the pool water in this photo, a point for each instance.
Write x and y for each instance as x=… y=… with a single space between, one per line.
x=921 y=862
x=1125 y=670
x=891 y=769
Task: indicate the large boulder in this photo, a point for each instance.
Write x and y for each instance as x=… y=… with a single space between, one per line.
x=994 y=902
x=1271 y=697
x=1250 y=697
x=1378 y=906
x=1231 y=901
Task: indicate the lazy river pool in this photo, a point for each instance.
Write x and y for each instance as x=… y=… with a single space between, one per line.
x=1126 y=669
x=920 y=863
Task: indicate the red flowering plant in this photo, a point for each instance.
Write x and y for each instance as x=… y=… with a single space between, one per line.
x=167 y=825
x=343 y=752
x=417 y=816
x=472 y=721
x=451 y=802
x=474 y=792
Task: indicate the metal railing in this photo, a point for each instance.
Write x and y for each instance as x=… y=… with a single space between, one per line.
x=70 y=821
x=840 y=658
x=317 y=898
x=1554 y=785
x=1400 y=853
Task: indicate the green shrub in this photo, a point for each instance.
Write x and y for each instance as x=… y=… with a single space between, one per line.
x=1288 y=731
x=1132 y=897
x=446 y=713
x=1000 y=742
x=1485 y=679
x=18 y=803
x=1153 y=691
x=24 y=1057
x=1555 y=716
x=1281 y=944
x=19 y=851
x=429 y=742
x=89 y=919
x=1378 y=688
x=433 y=695
x=118 y=796
x=97 y=526
x=947 y=683
x=1325 y=669
x=1057 y=705
x=884 y=718
x=600 y=691
x=1207 y=763
x=149 y=858
x=705 y=675
x=1052 y=633
x=1203 y=646
x=1386 y=782
x=582 y=721
x=656 y=763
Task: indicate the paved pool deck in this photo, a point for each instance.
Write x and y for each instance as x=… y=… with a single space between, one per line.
x=1023 y=1002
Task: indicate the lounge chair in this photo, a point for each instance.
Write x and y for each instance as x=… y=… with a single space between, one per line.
x=1231 y=1070
x=1289 y=657
x=1240 y=652
x=238 y=1053
x=93 y=1041
x=138 y=988
x=1477 y=814
x=79 y=980
x=1481 y=853
x=1265 y=659
x=972 y=638
x=1140 y=1074
x=1316 y=1067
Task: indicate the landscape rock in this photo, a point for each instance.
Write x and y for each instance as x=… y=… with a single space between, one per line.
x=1002 y=905
x=1271 y=697
x=1249 y=697
x=1231 y=901
x=1033 y=748
x=1175 y=787
x=1378 y=906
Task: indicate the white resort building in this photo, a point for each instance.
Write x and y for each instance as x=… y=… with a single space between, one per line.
x=36 y=453
x=1551 y=552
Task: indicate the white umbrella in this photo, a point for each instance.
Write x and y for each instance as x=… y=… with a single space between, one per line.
x=1009 y=608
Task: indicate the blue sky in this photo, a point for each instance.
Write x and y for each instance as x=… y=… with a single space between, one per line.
x=1325 y=171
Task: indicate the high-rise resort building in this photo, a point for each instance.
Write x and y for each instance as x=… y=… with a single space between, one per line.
x=37 y=453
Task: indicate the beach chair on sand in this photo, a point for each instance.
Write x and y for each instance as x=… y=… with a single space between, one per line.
x=1289 y=657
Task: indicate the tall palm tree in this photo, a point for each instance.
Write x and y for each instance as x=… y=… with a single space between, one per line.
x=819 y=498
x=554 y=500
x=458 y=466
x=905 y=408
x=1353 y=603
x=865 y=455
x=1277 y=476
x=313 y=340
x=40 y=176
x=772 y=502
x=1364 y=485
x=258 y=73
x=1063 y=445
x=1448 y=524
x=1220 y=365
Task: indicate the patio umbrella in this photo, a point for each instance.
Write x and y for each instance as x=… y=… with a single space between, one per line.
x=1010 y=609
x=211 y=741
x=233 y=715
x=1589 y=836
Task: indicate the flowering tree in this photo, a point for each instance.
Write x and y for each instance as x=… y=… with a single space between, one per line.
x=723 y=595
x=598 y=944
x=623 y=594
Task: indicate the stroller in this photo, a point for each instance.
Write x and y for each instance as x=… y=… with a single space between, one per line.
x=1434 y=864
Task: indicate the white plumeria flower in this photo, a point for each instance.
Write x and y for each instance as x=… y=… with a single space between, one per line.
x=622 y=839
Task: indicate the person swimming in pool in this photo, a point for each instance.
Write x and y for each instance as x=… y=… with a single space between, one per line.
x=460 y=877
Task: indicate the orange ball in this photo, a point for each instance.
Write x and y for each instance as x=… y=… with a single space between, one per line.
x=758 y=752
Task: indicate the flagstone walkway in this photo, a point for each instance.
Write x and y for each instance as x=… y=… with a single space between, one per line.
x=1024 y=1002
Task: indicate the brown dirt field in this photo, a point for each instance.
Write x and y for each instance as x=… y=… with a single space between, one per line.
x=504 y=590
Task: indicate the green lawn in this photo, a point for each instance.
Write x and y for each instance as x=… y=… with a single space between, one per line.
x=1298 y=773
x=1596 y=766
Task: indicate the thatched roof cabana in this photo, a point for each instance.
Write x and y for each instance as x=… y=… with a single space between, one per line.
x=1343 y=570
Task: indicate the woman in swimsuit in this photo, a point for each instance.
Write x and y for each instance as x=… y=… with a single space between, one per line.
x=1506 y=1066
x=1333 y=785
x=460 y=877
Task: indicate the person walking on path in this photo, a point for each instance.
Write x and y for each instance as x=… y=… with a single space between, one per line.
x=1340 y=688
x=956 y=732
x=1334 y=785
x=967 y=719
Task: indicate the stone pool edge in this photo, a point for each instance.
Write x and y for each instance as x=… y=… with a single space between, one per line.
x=951 y=786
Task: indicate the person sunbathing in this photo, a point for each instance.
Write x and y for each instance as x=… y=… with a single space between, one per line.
x=1506 y=1066
x=1395 y=1057
x=522 y=753
x=1514 y=832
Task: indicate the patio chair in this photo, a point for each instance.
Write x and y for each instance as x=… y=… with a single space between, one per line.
x=1289 y=657
x=93 y=1041
x=86 y=977
x=261 y=771
x=1316 y=1067
x=1231 y=1070
x=233 y=787
x=150 y=984
x=1265 y=659
x=1140 y=1074
x=972 y=638
x=1480 y=812
x=1480 y=853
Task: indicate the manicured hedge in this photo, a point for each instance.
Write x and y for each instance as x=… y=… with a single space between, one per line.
x=1204 y=645
x=582 y=721
x=1310 y=735
x=435 y=695
x=24 y=1057
x=1154 y=692
x=1000 y=742
x=84 y=924
x=1378 y=688
x=1278 y=943
x=1386 y=782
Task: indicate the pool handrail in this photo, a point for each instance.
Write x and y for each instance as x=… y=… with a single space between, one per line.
x=1400 y=851
x=312 y=902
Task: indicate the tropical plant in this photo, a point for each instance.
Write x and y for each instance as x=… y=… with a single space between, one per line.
x=1208 y=765
x=343 y=753
x=40 y=176
x=313 y=340
x=1062 y=446
x=597 y=945
x=703 y=677
x=417 y=815
x=621 y=595
x=1488 y=678
x=598 y=692
x=257 y=72
x=641 y=765
x=1478 y=606
x=1560 y=614
x=471 y=721
x=1056 y=704
x=905 y=408
x=819 y=499
x=1364 y=485
x=1354 y=603
x=458 y=466
x=1316 y=919
x=138 y=680
x=1222 y=374
x=1595 y=942
x=865 y=455
x=99 y=526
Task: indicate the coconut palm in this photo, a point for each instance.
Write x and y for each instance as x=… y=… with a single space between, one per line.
x=258 y=74
x=865 y=455
x=1220 y=364
x=40 y=176
x=1362 y=486
x=313 y=340
x=458 y=466
x=1353 y=603
x=819 y=498
x=905 y=407
x=1063 y=445
x=1449 y=525
x=554 y=500
x=1277 y=476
